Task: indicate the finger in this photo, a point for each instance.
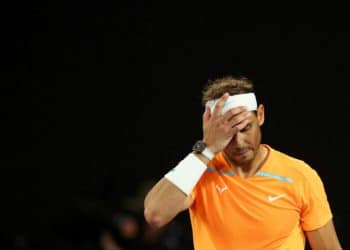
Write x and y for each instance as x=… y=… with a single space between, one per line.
x=220 y=104
x=239 y=127
x=242 y=125
x=239 y=118
x=206 y=114
x=233 y=112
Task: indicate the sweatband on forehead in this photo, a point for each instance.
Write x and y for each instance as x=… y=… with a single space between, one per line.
x=248 y=100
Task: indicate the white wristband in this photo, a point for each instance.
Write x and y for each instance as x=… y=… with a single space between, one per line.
x=187 y=173
x=208 y=154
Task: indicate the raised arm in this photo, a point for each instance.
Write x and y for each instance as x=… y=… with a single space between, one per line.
x=165 y=200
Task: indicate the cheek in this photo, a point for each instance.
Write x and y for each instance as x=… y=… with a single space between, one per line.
x=257 y=137
x=254 y=137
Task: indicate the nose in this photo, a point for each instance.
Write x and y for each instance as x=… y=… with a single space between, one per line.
x=238 y=140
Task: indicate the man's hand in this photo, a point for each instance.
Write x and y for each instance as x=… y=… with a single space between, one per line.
x=218 y=129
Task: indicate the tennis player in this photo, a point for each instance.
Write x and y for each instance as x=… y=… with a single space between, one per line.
x=242 y=194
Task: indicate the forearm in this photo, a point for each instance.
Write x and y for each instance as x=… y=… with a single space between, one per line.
x=163 y=203
x=165 y=200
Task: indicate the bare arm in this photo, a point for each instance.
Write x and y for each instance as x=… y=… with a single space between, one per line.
x=324 y=238
x=165 y=200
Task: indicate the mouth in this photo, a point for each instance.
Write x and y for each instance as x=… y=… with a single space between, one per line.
x=241 y=151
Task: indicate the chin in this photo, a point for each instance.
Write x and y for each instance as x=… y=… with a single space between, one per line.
x=245 y=157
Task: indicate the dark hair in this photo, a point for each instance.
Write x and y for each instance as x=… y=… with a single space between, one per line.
x=233 y=85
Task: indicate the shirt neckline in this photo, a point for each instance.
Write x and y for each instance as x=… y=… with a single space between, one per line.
x=225 y=168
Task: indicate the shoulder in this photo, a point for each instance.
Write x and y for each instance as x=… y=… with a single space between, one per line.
x=291 y=165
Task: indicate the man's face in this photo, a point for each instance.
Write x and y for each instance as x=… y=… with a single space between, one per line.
x=245 y=144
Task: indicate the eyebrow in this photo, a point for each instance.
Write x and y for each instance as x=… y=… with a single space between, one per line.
x=249 y=124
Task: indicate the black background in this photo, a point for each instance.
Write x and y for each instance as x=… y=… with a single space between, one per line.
x=98 y=97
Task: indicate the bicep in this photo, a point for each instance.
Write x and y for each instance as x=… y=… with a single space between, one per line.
x=324 y=238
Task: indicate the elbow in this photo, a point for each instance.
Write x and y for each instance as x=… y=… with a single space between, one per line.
x=153 y=218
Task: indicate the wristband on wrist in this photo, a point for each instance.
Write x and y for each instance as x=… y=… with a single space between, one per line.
x=187 y=173
x=208 y=153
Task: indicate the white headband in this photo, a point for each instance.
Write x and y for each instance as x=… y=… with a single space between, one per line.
x=247 y=99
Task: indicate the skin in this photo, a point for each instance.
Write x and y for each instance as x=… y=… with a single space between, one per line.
x=237 y=133
x=242 y=149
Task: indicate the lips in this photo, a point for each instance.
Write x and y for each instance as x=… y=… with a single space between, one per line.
x=241 y=151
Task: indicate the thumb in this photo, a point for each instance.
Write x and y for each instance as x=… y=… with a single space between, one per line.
x=206 y=114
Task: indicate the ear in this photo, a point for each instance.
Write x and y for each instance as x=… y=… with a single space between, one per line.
x=261 y=114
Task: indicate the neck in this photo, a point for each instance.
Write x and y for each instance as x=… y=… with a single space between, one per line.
x=249 y=169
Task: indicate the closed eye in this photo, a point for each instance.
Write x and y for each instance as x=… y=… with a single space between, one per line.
x=246 y=128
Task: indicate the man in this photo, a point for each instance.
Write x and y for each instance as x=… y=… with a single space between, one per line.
x=242 y=194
